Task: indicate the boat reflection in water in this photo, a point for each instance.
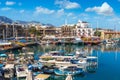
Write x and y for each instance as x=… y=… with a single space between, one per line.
x=78 y=62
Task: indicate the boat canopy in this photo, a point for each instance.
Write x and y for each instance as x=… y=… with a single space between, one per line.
x=9 y=66
x=5 y=43
x=42 y=76
x=3 y=55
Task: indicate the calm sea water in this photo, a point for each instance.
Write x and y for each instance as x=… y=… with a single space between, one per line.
x=108 y=60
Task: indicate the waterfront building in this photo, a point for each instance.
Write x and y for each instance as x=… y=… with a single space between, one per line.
x=48 y=30
x=11 y=30
x=79 y=29
x=83 y=29
x=68 y=30
x=110 y=34
x=58 y=32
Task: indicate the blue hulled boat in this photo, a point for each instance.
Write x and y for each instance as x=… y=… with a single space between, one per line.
x=72 y=70
x=35 y=68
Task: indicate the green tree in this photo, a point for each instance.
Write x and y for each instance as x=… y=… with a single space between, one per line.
x=97 y=33
x=32 y=30
x=38 y=33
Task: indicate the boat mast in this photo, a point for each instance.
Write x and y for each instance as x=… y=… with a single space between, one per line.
x=16 y=34
x=97 y=27
x=13 y=30
x=3 y=35
x=6 y=31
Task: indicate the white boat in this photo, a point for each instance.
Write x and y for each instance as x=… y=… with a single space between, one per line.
x=77 y=40
x=80 y=61
x=8 y=70
x=65 y=70
x=109 y=42
x=43 y=42
x=21 y=71
x=5 y=45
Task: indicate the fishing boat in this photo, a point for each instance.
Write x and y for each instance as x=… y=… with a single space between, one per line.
x=21 y=71
x=72 y=70
x=4 y=45
x=91 y=58
x=8 y=70
x=78 y=61
x=48 y=69
x=35 y=68
x=54 y=53
x=80 y=53
x=59 y=59
x=108 y=41
x=77 y=40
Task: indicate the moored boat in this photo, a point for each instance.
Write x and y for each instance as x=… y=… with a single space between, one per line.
x=77 y=40
x=4 y=45
x=48 y=69
x=72 y=70
x=35 y=68
x=21 y=71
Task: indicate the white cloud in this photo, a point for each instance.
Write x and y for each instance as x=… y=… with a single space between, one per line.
x=60 y=12
x=10 y=3
x=70 y=14
x=67 y=4
x=42 y=10
x=84 y=15
x=22 y=11
x=114 y=19
x=104 y=9
x=6 y=8
x=74 y=17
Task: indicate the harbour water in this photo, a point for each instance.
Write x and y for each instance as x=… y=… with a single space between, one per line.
x=108 y=67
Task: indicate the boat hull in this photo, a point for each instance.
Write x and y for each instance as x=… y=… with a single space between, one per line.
x=61 y=72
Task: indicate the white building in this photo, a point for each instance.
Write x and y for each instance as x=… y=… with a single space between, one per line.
x=83 y=29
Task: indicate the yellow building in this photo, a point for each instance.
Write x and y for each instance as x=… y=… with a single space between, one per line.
x=109 y=34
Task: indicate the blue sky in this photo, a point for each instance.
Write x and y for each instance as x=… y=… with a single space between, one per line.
x=104 y=12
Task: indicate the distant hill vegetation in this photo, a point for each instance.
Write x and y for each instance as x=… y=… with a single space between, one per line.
x=5 y=19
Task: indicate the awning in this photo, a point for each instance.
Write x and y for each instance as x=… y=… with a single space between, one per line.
x=3 y=55
x=42 y=76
